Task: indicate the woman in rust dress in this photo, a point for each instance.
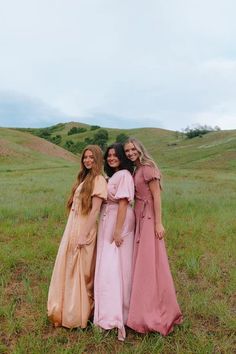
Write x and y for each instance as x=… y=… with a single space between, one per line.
x=153 y=304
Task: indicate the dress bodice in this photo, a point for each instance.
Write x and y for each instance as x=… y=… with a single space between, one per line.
x=143 y=175
x=120 y=186
x=99 y=190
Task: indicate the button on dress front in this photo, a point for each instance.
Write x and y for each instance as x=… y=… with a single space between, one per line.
x=114 y=264
x=153 y=303
x=70 y=297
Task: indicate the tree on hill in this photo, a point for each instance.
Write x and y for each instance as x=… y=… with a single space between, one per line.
x=72 y=131
x=199 y=131
x=79 y=146
x=75 y=130
x=44 y=133
x=94 y=127
x=69 y=145
x=121 y=138
x=88 y=141
x=100 y=138
x=56 y=139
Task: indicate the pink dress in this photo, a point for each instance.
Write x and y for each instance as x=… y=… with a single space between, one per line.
x=153 y=303
x=112 y=286
x=70 y=297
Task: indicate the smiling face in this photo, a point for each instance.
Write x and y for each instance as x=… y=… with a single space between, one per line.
x=112 y=159
x=131 y=152
x=88 y=159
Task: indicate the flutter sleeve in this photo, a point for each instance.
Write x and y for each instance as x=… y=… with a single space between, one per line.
x=100 y=187
x=151 y=173
x=125 y=186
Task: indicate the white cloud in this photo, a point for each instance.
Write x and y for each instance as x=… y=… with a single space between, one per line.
x=166 y=61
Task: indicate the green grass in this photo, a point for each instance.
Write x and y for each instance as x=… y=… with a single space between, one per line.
x=20 y=151
x=199 y=215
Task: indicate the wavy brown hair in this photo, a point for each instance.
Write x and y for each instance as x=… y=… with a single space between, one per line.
x=88 y=177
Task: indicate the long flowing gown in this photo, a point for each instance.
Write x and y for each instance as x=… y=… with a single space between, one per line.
x=112 y=285
x=70 y=297
x=153 y=303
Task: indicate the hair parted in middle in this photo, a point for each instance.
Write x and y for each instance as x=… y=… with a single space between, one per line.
x=125 y=163
x=88 y=177
x=144 y=157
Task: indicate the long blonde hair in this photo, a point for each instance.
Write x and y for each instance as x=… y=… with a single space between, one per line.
x=88 y=177
x=144 y=157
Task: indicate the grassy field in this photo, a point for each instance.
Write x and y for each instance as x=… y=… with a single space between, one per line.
x=199 y=203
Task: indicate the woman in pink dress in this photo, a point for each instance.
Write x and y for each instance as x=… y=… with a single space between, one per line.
x=153 y=303
x=70 y=297
x=112 y=286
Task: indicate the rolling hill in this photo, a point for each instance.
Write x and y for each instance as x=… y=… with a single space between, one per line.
x=22 y=150
x=215 y=150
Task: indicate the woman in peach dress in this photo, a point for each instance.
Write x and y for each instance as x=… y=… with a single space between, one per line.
x=115 y=245
x=153 y=303
x=70 y=297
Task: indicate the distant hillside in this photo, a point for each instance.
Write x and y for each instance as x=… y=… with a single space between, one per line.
x=215 y=150
x=18 y=148
x=170 y=149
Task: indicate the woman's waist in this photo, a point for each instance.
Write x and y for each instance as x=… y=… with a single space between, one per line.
x=146 y=198
x=115 y=203
x=144 y=206
x=113 y=207
x=110 y=204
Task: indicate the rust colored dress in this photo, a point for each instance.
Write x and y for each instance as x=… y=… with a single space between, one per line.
x=70 y=297
x=153 y=303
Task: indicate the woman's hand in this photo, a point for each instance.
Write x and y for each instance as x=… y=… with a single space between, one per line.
x=90 y=223
x=81 y=242
x=117 y=239
x=159 y=231
x=120 y=219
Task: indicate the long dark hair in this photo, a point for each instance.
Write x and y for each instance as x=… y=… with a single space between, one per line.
x=125 y=163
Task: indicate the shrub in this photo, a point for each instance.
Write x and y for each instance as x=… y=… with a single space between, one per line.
x=94 y=127
x=75 y=130
x=56 y=139
x=44 y=133
x=100 y=138
x=199 y=131
x=121 y=138
x=72 y=131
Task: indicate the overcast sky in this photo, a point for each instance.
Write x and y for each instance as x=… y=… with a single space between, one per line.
x=118 y=63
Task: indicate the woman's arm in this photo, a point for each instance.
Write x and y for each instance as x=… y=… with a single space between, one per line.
x=94 y=212
x=120 y=219
x=155 y=189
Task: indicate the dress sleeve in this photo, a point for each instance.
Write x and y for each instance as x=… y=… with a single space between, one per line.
x=125 y=186
x=150 y=173
x=100 y=187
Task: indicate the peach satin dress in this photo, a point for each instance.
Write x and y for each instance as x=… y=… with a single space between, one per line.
x=70 y=297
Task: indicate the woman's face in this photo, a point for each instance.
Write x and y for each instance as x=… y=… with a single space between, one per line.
x=112 y=159
x=88 y=159
x=131 y=152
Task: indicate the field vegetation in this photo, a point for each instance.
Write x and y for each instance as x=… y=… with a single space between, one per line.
x=199 y=203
